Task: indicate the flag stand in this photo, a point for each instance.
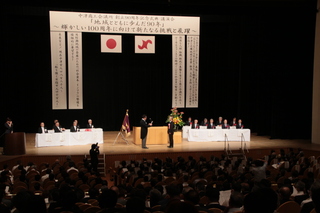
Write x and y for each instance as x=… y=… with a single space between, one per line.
x=124 y=128
x=122 y=136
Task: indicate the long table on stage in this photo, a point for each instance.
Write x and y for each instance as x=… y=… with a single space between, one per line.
x=203 y=135
x=67 y=138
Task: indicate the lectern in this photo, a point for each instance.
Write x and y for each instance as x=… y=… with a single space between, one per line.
x=15 y=143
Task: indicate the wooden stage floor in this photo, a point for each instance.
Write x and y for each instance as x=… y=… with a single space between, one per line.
x=120 y=147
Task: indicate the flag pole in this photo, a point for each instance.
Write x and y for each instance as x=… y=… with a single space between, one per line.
x=125 y=127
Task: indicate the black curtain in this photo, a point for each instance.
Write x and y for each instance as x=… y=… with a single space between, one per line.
x=256 y=63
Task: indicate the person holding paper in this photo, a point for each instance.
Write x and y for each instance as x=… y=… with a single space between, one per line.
x=144 y=130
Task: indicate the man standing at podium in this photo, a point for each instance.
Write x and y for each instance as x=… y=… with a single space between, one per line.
x=144 y=130
x=9 y=126
x=170 y=132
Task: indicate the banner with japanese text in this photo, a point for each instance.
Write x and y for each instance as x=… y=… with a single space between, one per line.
x=192 y=90
x=75 y=97
x=58 y=70
x=178 y=71
x=124 y=23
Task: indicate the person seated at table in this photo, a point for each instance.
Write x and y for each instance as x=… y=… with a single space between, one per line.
x=195 y=125
x=57 y=128
x=75 y=127
x=90 y=124
x=204 y=122
x=233 y=122
x=240 y=124
x=219 y=122
x=225 y=124
x=42 y=128
x=211 y=124
x=188 y=122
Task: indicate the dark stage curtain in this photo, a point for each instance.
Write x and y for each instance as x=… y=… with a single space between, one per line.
x=255 y=64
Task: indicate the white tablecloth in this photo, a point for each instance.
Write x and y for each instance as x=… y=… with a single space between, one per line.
x=202 y=135
x=68 y=138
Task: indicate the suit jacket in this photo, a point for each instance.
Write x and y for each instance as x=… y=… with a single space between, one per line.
x=188 y=123
x=74 y=129
x=219 y=123
x=144 y=128
x=9 y=129
x=40 y=130
x=170 y=128
x=88 y=126
x=56 y=129
x=225 y=126
x=240 y=126
x=204 y=124
x=233 y=124
x=195 y=126
x=211 y=126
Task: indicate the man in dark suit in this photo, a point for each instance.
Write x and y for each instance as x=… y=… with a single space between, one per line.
x=234 y=122
x=170 y=131
x=42 y=128
x=195 y=124
x=57 y=128
x=75 y=127
x=204 y=122
x=188 y=122
x=211 y=124
x=225 y=124
x=239 y=124
x=219 y=122
x=9 y=126
x=144 y=130
x=90 y=125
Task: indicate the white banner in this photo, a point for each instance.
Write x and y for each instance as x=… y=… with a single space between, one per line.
x=192 y=93
x=75 y=70
x=178 y=71
x=58 y=70
x=111 y=43
x=144 y=44
x=124 y=23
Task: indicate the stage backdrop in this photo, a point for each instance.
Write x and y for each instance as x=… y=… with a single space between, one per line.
x=256 y=64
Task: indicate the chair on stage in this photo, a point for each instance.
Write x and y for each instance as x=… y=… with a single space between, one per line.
x=215 y=210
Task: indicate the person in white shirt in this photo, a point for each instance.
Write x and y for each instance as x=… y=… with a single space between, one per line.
x=42 y=128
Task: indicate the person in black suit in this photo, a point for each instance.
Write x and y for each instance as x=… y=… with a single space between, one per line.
x=144 y=130
x=170 y=132
x=233 y=122
x=90 y=125
x=188 y=122
x=42 y=128
x=9 y=126
x=75 y=127
x=239 y=124
x=94 y=153
x=211 y=124
x=225 y=124
x=219 y=122
x=204 y=122
x=57 y=128
x=195 y=124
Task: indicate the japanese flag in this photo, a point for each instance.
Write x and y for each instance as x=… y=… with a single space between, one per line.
x=144 y=44
x=111 y=44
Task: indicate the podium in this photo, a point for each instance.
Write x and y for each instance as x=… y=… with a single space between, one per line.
x=15 y=143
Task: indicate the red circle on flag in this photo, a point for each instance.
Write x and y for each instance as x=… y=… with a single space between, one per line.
x=111 y=43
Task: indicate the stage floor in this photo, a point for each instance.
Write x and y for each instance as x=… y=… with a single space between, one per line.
x=120 y=147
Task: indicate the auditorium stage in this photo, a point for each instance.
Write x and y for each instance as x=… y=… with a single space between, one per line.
x=120 y=147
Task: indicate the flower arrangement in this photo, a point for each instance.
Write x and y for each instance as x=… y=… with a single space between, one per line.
x=176 y=117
